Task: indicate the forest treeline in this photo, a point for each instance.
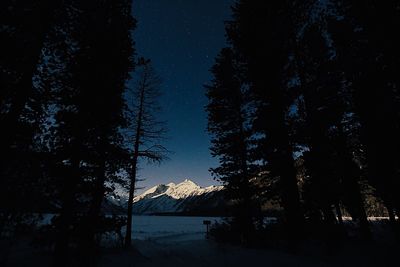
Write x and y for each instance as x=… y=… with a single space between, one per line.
x=71 y=132
x=304 y=110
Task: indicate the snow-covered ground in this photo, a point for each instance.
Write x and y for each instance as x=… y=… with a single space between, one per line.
x=180 y=241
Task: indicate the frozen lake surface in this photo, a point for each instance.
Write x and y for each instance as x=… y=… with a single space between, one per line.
x=162 y=229
x=170 y=228
x=174 y=241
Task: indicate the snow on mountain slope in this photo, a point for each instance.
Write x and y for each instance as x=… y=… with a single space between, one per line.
x=153 y=192
x=177 y=191
x=173 y=198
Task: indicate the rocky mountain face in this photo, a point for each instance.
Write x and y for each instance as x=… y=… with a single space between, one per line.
x=183 y=198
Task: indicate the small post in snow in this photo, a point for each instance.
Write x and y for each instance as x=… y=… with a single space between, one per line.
x=207 y=224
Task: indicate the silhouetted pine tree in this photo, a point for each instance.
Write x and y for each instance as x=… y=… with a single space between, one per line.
x=103 y=65
x=92 y=63
x=145 y=131
x=323 y=185
x=229 y=125
x=370 y=59
x=334 y=177
x=261 y=34
x=24 y=28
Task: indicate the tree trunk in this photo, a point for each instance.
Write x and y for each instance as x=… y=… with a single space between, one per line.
x=339 y=213
x=392 y=216
x=364 y=224
x=92 y=223
x=66 y=216
x=128 y=234
x=291 y=197
x=329 y=216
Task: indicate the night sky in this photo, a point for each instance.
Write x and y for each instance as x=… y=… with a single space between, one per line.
x=182 y=38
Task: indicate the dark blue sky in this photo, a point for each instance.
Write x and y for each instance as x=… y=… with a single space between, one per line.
x=182 y=38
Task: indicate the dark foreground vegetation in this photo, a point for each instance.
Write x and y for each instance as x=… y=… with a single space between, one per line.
x=304 y=113
x=64 y=116
x=304 y=110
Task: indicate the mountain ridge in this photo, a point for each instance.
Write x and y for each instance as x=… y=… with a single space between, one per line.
x=185 y=197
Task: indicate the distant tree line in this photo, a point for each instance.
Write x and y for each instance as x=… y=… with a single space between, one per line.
x=304 y=108
x=65 y=117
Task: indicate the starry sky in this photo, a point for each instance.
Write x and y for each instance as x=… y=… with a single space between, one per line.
x=182 y=38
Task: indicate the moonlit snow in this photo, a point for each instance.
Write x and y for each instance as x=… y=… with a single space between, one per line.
x=177 y=198
x=184 y=189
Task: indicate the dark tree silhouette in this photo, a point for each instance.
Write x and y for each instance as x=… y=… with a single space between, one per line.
x=322 y=87
x=265 y=57
x=24 y=28
x=90 y=60
x=333 y=174
x=373 y=77
x=147 y=131
x=228 y=123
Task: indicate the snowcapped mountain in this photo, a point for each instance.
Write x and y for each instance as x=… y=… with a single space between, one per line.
x=184 y=189
x=184 y=197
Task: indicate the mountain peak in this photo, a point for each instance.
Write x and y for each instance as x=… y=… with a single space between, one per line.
x=181 y=190
x=188 y=182
x=174 y=197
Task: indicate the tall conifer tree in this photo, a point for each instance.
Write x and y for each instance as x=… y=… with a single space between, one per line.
x=228 y=123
